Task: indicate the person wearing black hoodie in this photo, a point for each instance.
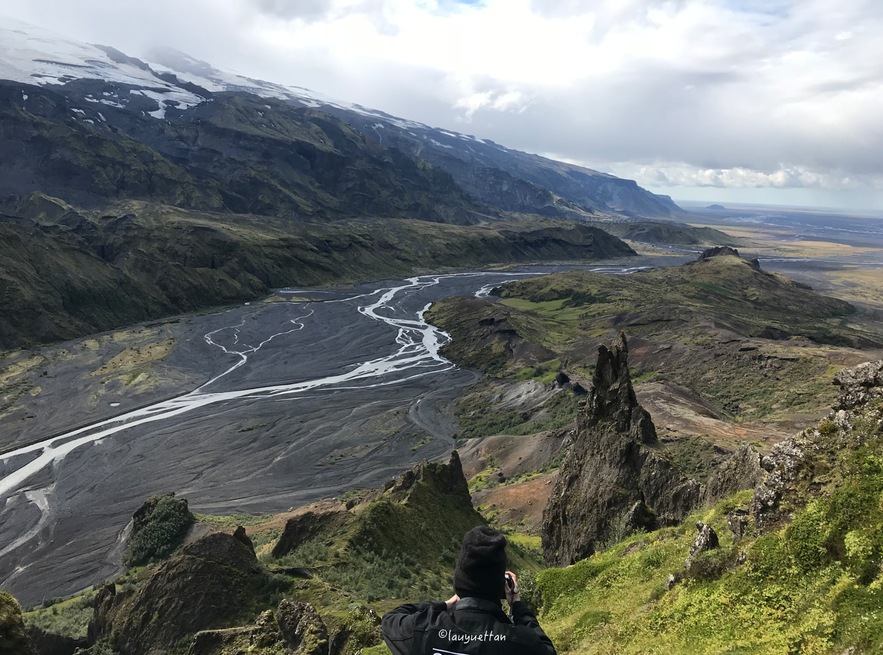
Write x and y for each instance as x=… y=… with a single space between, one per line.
x=472 y=622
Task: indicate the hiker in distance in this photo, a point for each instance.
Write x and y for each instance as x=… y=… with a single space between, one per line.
x=472 y=622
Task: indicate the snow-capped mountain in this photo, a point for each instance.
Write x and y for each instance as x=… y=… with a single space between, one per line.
x=170 y=83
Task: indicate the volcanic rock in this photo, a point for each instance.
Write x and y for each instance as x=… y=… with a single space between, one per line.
x=240 y=535
x=794 y=466
x=613 y=464
x=859 y=385
x=209 y=583
x=303 y=631
x=742 y=470
x=47 y=643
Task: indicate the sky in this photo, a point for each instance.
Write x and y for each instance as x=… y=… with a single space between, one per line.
x=748 y=101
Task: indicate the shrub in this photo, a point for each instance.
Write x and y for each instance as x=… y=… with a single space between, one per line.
x=160 y=526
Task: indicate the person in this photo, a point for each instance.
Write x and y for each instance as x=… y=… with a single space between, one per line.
x=471 y=622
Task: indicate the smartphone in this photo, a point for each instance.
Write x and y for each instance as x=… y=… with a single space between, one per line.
x=510 y=583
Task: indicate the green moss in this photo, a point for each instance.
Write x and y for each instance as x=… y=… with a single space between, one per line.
x=479 y=418
x=160 y=526
x=815 y=586
x=67 y=618
x=12 y=635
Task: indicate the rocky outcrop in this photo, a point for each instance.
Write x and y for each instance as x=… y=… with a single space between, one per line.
x=706 y=540
x=859 y=385
x=740 y=471
x=240 y=535
x=107 y=601
x=797 y=468
x=726 y=251
x=694 y=566
x=614 y=470
x=13 y=638
x=302 y=629
x=47 y=643
x=212 y=582
x=309 y=524
x=249 y=639
x=158 y=528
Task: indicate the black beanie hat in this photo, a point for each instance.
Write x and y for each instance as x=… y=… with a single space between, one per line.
x=482 y=565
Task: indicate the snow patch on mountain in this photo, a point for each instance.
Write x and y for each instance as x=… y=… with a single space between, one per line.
x=33 y=55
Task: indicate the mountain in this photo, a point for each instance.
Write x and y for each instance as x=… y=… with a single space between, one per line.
x=98 y=79
x=66 y=273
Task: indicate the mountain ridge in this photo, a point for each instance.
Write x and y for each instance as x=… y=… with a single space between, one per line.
x=178 y=82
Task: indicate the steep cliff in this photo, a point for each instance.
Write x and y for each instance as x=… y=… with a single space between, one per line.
x=614 y=470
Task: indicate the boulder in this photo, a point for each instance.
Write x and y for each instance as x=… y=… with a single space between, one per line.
x=740 y=471
x=613 y=472
x=737 y=521
x=13 y=638
x=212 y=582
x=240 y=535
x=302 y=629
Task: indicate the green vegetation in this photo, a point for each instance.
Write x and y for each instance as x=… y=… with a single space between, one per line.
x=672 y=234
x=12 y=635
x=693 y=455
x=160 y=526
x=660 y=300
x=478 y=417
x=67 y=618
x=700 y=308
x=814 y=586
x=60 y=275
x=232 y=521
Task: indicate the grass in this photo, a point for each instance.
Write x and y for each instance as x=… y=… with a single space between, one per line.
x=67 y=618
x=478 y=417
x=814 y=586
x=233 y=521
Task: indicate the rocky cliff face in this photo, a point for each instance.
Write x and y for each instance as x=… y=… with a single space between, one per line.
x=212 y=583
x=614 y=472
x=798 y=468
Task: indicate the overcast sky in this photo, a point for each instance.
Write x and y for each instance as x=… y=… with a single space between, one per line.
x=771 y=101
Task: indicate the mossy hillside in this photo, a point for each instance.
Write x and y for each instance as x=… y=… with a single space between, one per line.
x=136 y=261
x=253 y=156
x=12 y=634
x=401 y=543
x=704 y=307
x=479 y=417
x=68 y=618
x=671 y=234
x=813 y=586
x=725 y=287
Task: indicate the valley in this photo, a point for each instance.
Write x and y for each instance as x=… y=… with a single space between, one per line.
x=266 y=356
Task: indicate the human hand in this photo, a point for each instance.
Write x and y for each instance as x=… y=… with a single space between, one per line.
x=451 y=601
x=512 y=592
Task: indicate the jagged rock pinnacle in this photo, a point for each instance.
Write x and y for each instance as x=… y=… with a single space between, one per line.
x=612 y=480
x=612 y=397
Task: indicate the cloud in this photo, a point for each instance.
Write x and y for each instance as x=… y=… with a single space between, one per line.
x=309 y=10
x=735 y=87
x=676 y=174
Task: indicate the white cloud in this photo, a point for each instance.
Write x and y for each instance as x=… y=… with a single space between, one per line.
x=714 y=85
x=677 y=174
